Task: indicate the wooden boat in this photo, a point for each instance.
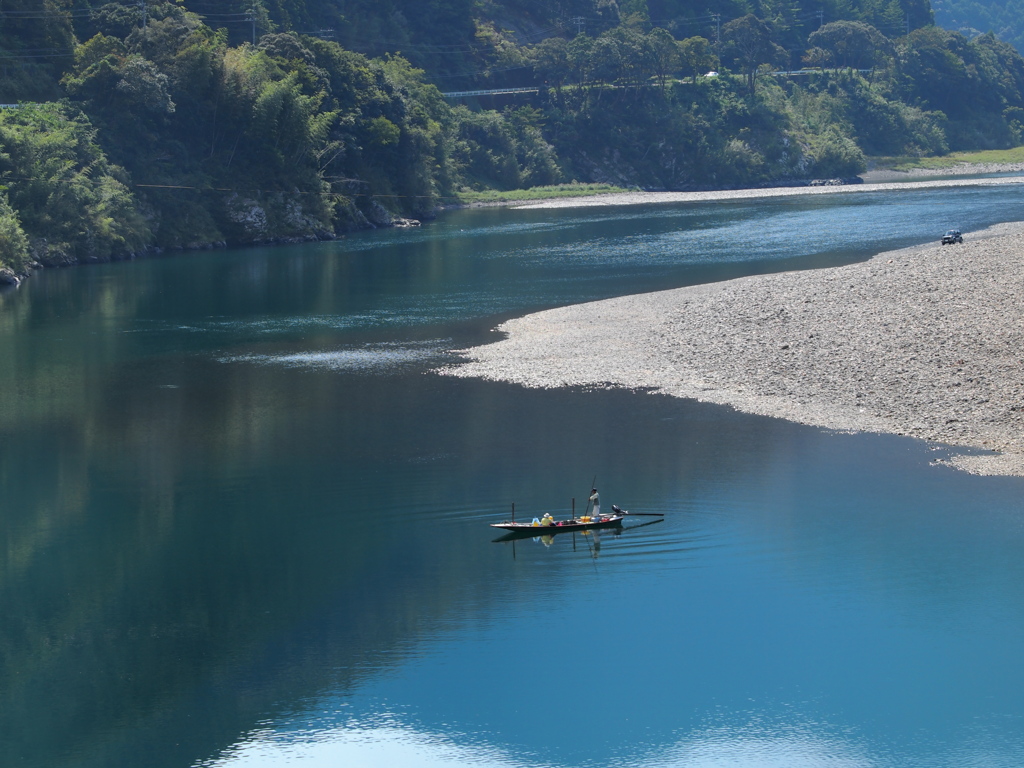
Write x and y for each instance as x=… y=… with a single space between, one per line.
x=537 y=528
x=549 y=526
x=546 y=533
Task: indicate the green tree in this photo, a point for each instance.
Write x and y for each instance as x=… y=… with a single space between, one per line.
x=489 y=147
x=852 y=44
x=819 y=58
x=579 y=54
x=634 y=56
x=1003 y=17
x=665 y=54
x=634 y=12
x=538 y=161
x=73 y=204
x=697 y=56
x=14 y=254
x=836 y=155
x=935 y=74
x=972 y=82
x=606 y=64
x=749 y=43
x=36 y=39
x=550 y=61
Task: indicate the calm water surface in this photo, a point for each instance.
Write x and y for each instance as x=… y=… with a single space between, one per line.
x=243 y=524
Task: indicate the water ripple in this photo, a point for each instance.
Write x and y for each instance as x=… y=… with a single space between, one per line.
x=367 y=358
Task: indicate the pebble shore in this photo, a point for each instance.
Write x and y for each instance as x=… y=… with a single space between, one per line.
x=926 y=342
x=877 y=181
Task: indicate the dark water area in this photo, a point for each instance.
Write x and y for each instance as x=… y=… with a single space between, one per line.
x=244 y=523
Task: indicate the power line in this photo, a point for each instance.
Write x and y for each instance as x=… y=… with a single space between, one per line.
x=36 y=56
x=17 y=15
x=455 y=48
x=219 y=16
x=291 y=192
x=480 y=72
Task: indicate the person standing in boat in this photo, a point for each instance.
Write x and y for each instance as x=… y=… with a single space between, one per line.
x=596 y=499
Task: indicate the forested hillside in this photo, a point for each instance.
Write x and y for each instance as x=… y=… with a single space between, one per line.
x=131 y=126
x=1003 y=18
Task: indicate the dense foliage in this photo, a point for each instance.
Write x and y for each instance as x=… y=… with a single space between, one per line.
x=189 y=123
x=1003 y=18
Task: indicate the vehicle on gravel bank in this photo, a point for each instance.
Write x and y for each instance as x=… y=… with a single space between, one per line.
x=952 y=236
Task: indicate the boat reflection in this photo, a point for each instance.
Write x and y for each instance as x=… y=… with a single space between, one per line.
x=546 y=535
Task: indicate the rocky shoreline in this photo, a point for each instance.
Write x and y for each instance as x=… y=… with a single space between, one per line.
x=926 y=342
x=57 y=259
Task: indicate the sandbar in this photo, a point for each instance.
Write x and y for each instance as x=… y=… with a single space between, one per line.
x=925 y=341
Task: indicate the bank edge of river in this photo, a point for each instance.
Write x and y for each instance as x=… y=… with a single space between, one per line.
x=247 y=214
x=880 y=180
x=925 y=341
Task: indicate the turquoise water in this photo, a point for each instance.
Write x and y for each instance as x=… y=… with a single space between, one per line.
x=244 y=524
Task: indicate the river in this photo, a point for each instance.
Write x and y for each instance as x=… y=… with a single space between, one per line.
x=244 y=524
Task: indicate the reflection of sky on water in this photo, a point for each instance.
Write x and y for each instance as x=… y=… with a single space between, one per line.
x=389 y=746
x=759 y=744
x=352 y=746
x=329 y=735
x=371 y=357
x=727 y=233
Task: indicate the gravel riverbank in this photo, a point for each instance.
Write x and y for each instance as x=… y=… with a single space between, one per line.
x=925 y=341
x=882 y=182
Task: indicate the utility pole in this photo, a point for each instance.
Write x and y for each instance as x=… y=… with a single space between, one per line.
x=718 y=27
x=144 y=11
x=252 y=18
x=579 y=22
x=821 y=19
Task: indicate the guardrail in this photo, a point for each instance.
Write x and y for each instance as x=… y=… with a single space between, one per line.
x=821 y=71
x=491 y=92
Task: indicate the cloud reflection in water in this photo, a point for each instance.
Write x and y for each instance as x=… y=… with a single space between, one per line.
x=394 y=744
